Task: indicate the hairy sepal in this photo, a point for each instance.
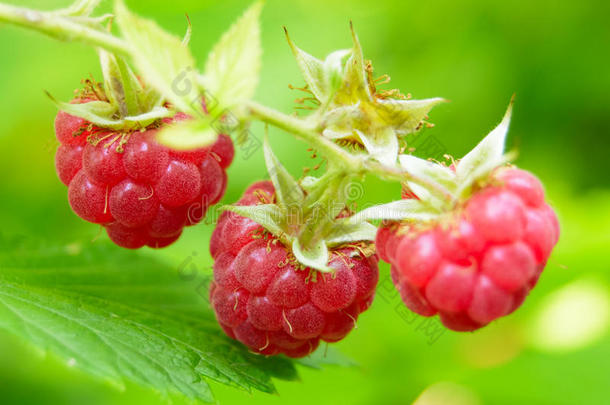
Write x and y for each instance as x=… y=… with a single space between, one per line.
x=472 y=168
x=402 y=210
x=103 y=115
x=382 y=145
x=315 y=256
x=346 y=232
x=162 y=60
x=354 y=113
x=323 y=77
x=268 y=215
x=121 y=85
x=488 y=153
x=188 y=135
x=287 y=189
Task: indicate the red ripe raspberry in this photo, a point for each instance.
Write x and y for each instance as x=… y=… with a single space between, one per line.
x=148 y=193
x=264 y=299
x=481 y=264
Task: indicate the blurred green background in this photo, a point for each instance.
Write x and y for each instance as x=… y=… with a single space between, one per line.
x=552 y=54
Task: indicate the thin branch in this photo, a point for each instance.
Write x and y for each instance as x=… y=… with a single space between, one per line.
x=63 y=28
x=351 y=164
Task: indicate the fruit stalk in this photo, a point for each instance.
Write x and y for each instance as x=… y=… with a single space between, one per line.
x=347 y=162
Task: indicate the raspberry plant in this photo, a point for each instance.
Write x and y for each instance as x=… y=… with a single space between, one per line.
x=294 y=265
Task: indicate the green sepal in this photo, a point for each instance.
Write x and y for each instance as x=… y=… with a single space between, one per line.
x=188 y=135
x=100 y=113
x=334 y=69
x=410 y=210
x=382 y=145
x=354 y=86
x=405 y=116
x=323 y=78
x=343 y=232
x=104 y=115
x=457 y=184
x=309 y=183
x=145 y=119
x=433 y=172
x=162 y=60
x=186 y=39
x=338 y=122
x=307 y=222
x=288 y=191
x=270 y=216
x=311 y=68
x=487 y=155
x=121 y=85
x=374 y=121
x=316 y=256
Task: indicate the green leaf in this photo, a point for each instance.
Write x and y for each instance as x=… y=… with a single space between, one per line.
x=121 y=315
x=232 y=69
x=163 y=61
x=315 y=257
x=270 y=216
x=489 y=153
x=413 y=210
x=288 y=191
x=188 y=135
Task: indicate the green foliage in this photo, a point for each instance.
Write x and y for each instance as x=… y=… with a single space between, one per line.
x=119 y=315
x=232 y=68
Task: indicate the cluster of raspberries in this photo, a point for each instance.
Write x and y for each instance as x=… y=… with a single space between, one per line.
x=481 y=262
x=140 y=191
x=470 y=266
x=266 y=300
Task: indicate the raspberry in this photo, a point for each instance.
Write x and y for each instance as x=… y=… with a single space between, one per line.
x=263 y=298
x=145 y=195
x=481 y=262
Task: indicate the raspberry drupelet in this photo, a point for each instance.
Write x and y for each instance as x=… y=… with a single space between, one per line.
x=263 y=298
